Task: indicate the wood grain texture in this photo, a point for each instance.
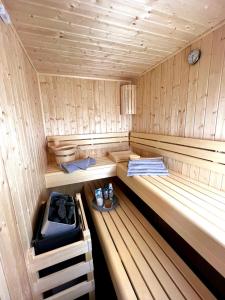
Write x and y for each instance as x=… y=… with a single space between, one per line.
x=150 y=263
x=22 y=160
x=191 y=101
x=196 y=218
x=83 y=246
x=128 y=99
x=78 y=106
x=114 y=39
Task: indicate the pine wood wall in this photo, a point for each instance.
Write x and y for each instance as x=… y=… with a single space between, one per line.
x=76 y=106
x=79 y=106
x=182 y=100
x=22 y=163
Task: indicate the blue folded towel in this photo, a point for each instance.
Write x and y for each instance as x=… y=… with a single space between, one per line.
x=147 y=167
x=81 y=164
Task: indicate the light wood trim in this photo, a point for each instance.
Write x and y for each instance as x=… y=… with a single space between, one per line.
x=206 y=239
x=150 y=280
x=109 y=146
x=130 y=266
x=150 y=257
x=213 y=192
x=87 y=237
x=211 y=216
x=63 y=276
x=56 y=256
x=74 y=292
x=187 y=188
x=4 y=290
x=84 y=77
x=194 y=152
x=86 y=231
x=185 y=277
x=92 y=141
x=183 y=158
x=86 y=136
x=218 y=146
x=119 y=156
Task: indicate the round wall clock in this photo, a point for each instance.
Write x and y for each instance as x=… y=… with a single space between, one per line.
x=194 y=56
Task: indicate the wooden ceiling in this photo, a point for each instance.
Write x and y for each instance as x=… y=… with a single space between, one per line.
x=103 y=38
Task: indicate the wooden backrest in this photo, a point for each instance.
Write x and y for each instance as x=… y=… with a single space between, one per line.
x=90 y=141
x=203 y=153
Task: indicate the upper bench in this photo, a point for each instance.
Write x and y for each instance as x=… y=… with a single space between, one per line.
x=97 y=144
x=194 y=210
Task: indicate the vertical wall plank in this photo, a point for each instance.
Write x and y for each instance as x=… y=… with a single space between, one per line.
x=81 y=106
x=22 y=161
x=192 y=95
x=192 y=100
x=215 y=74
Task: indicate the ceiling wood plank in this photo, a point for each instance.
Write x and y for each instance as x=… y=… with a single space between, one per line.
x=114 y=38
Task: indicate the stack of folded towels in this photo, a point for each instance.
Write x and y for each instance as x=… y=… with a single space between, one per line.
x=147 y=166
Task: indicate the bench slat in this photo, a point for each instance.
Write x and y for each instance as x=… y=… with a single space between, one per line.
x=146 y=272
x=118 y=274
x=150 y=257
x=197 y=143
x=194 y=152
x=102 y=141
x=153 y=268
x=183 y=206
x=201 y=207
x=203 y=188
x=206 y=198
x=182 y=157
x=205 y=238
x=104 y=168
x=129 y=263
x=185 y=278
x=134 y=275
x=86 y=136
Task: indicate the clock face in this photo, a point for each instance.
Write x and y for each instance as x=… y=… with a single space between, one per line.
x=194 y=56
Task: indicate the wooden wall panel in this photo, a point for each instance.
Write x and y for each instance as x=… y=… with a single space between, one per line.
x=22 y=160
x=182 y=100
x=79 y=106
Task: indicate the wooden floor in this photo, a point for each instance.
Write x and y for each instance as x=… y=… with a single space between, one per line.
x=152 y=269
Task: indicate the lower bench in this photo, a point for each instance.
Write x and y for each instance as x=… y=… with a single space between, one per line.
x=141 y=263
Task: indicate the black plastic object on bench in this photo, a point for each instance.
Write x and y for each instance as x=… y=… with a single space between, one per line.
x=43 y=244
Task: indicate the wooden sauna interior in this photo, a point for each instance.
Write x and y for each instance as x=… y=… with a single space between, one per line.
x=62 y=65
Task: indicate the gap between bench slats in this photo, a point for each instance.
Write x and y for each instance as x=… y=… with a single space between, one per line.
x=131 y=236
x=206 y=211
x=123 y=286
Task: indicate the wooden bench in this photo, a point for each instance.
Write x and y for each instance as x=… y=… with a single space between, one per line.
x=193 y=207
x=104 y=168
x=93 y=141
x=207 y=154
x=141 y=264
x=95 y=145
x=194 y=210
